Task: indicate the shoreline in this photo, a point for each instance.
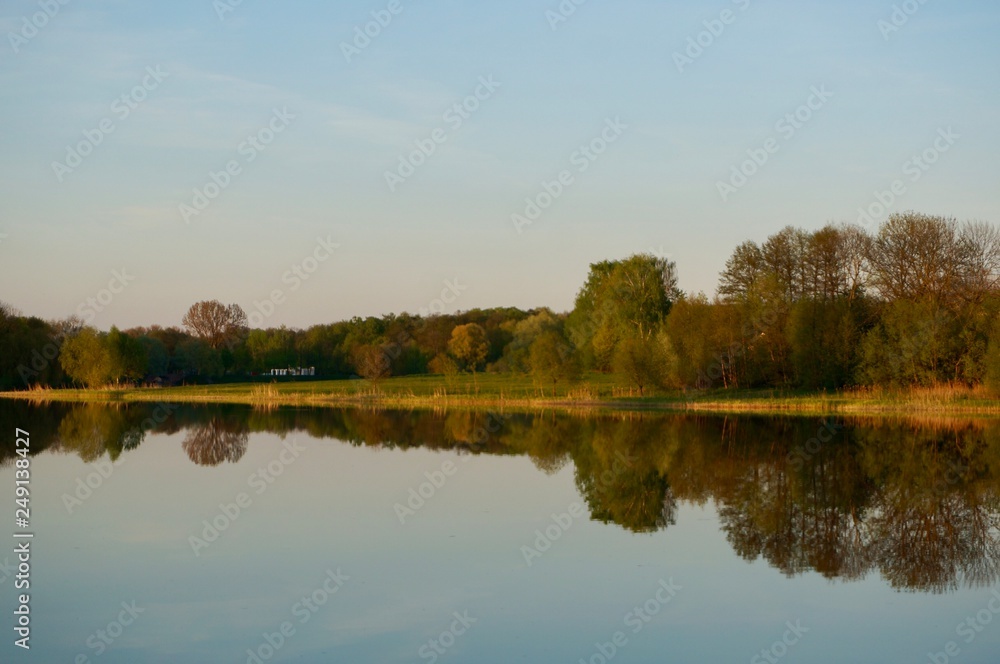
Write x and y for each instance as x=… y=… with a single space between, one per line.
x=765 y=402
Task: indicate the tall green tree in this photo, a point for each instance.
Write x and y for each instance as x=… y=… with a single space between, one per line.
x=86 y=358
x=126 y=356
x=643 y=363
x=553 y=360
x=469 y=345
x=621 y=299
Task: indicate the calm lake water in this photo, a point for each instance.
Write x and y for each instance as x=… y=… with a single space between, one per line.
x=224 y=534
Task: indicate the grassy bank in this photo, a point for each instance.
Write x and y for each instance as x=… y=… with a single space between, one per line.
x=516 y=391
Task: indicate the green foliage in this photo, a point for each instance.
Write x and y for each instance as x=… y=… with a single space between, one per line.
x=643 y=363
x=620 y=299
x=86 y=358
x=126 y=357
x=157 y=356
x=469 y=346
x=443 y=364
x=523 y=335
x=824 y=337
x=691 y=330
x=915 y=303
x=914 y=343
x=29 y=349
x=553 y=360
x=992 y=360
x=271 y=349
x=197 y=357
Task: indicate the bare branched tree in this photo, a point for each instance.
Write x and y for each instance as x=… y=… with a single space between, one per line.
x=216 y=323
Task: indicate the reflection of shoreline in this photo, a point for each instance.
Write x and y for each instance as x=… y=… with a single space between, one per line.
x=918 y=503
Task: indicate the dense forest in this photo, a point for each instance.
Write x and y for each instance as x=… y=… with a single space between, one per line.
x=913 y=303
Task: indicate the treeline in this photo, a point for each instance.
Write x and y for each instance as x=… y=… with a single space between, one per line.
x=915 y=302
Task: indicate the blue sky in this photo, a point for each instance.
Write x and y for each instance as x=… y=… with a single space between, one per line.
x=323 y=176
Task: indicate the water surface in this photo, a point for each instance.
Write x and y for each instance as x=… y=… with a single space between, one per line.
x=386 y=536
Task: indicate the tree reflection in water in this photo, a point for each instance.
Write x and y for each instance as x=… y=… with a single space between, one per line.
x=216 y=441
x=919 y=502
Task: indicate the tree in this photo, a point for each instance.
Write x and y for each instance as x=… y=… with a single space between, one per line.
x=691 y=329
x=743 y=269
x=215 y=323
x=196 y=357
x=469 y=345
x=993 y=361
x=86 y=359
x=917 y=257
x=621 y=298
x=914 y=343
x=372 y=362
x=855 y=246
x=824 y=337
x=28 y=348
x=784 y=255
x=644 y=363
x=552 y=359
x=157 y=357
x=126 y=356
x=524 y=333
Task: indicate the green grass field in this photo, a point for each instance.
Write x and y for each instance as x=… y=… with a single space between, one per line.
x=520 y=391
